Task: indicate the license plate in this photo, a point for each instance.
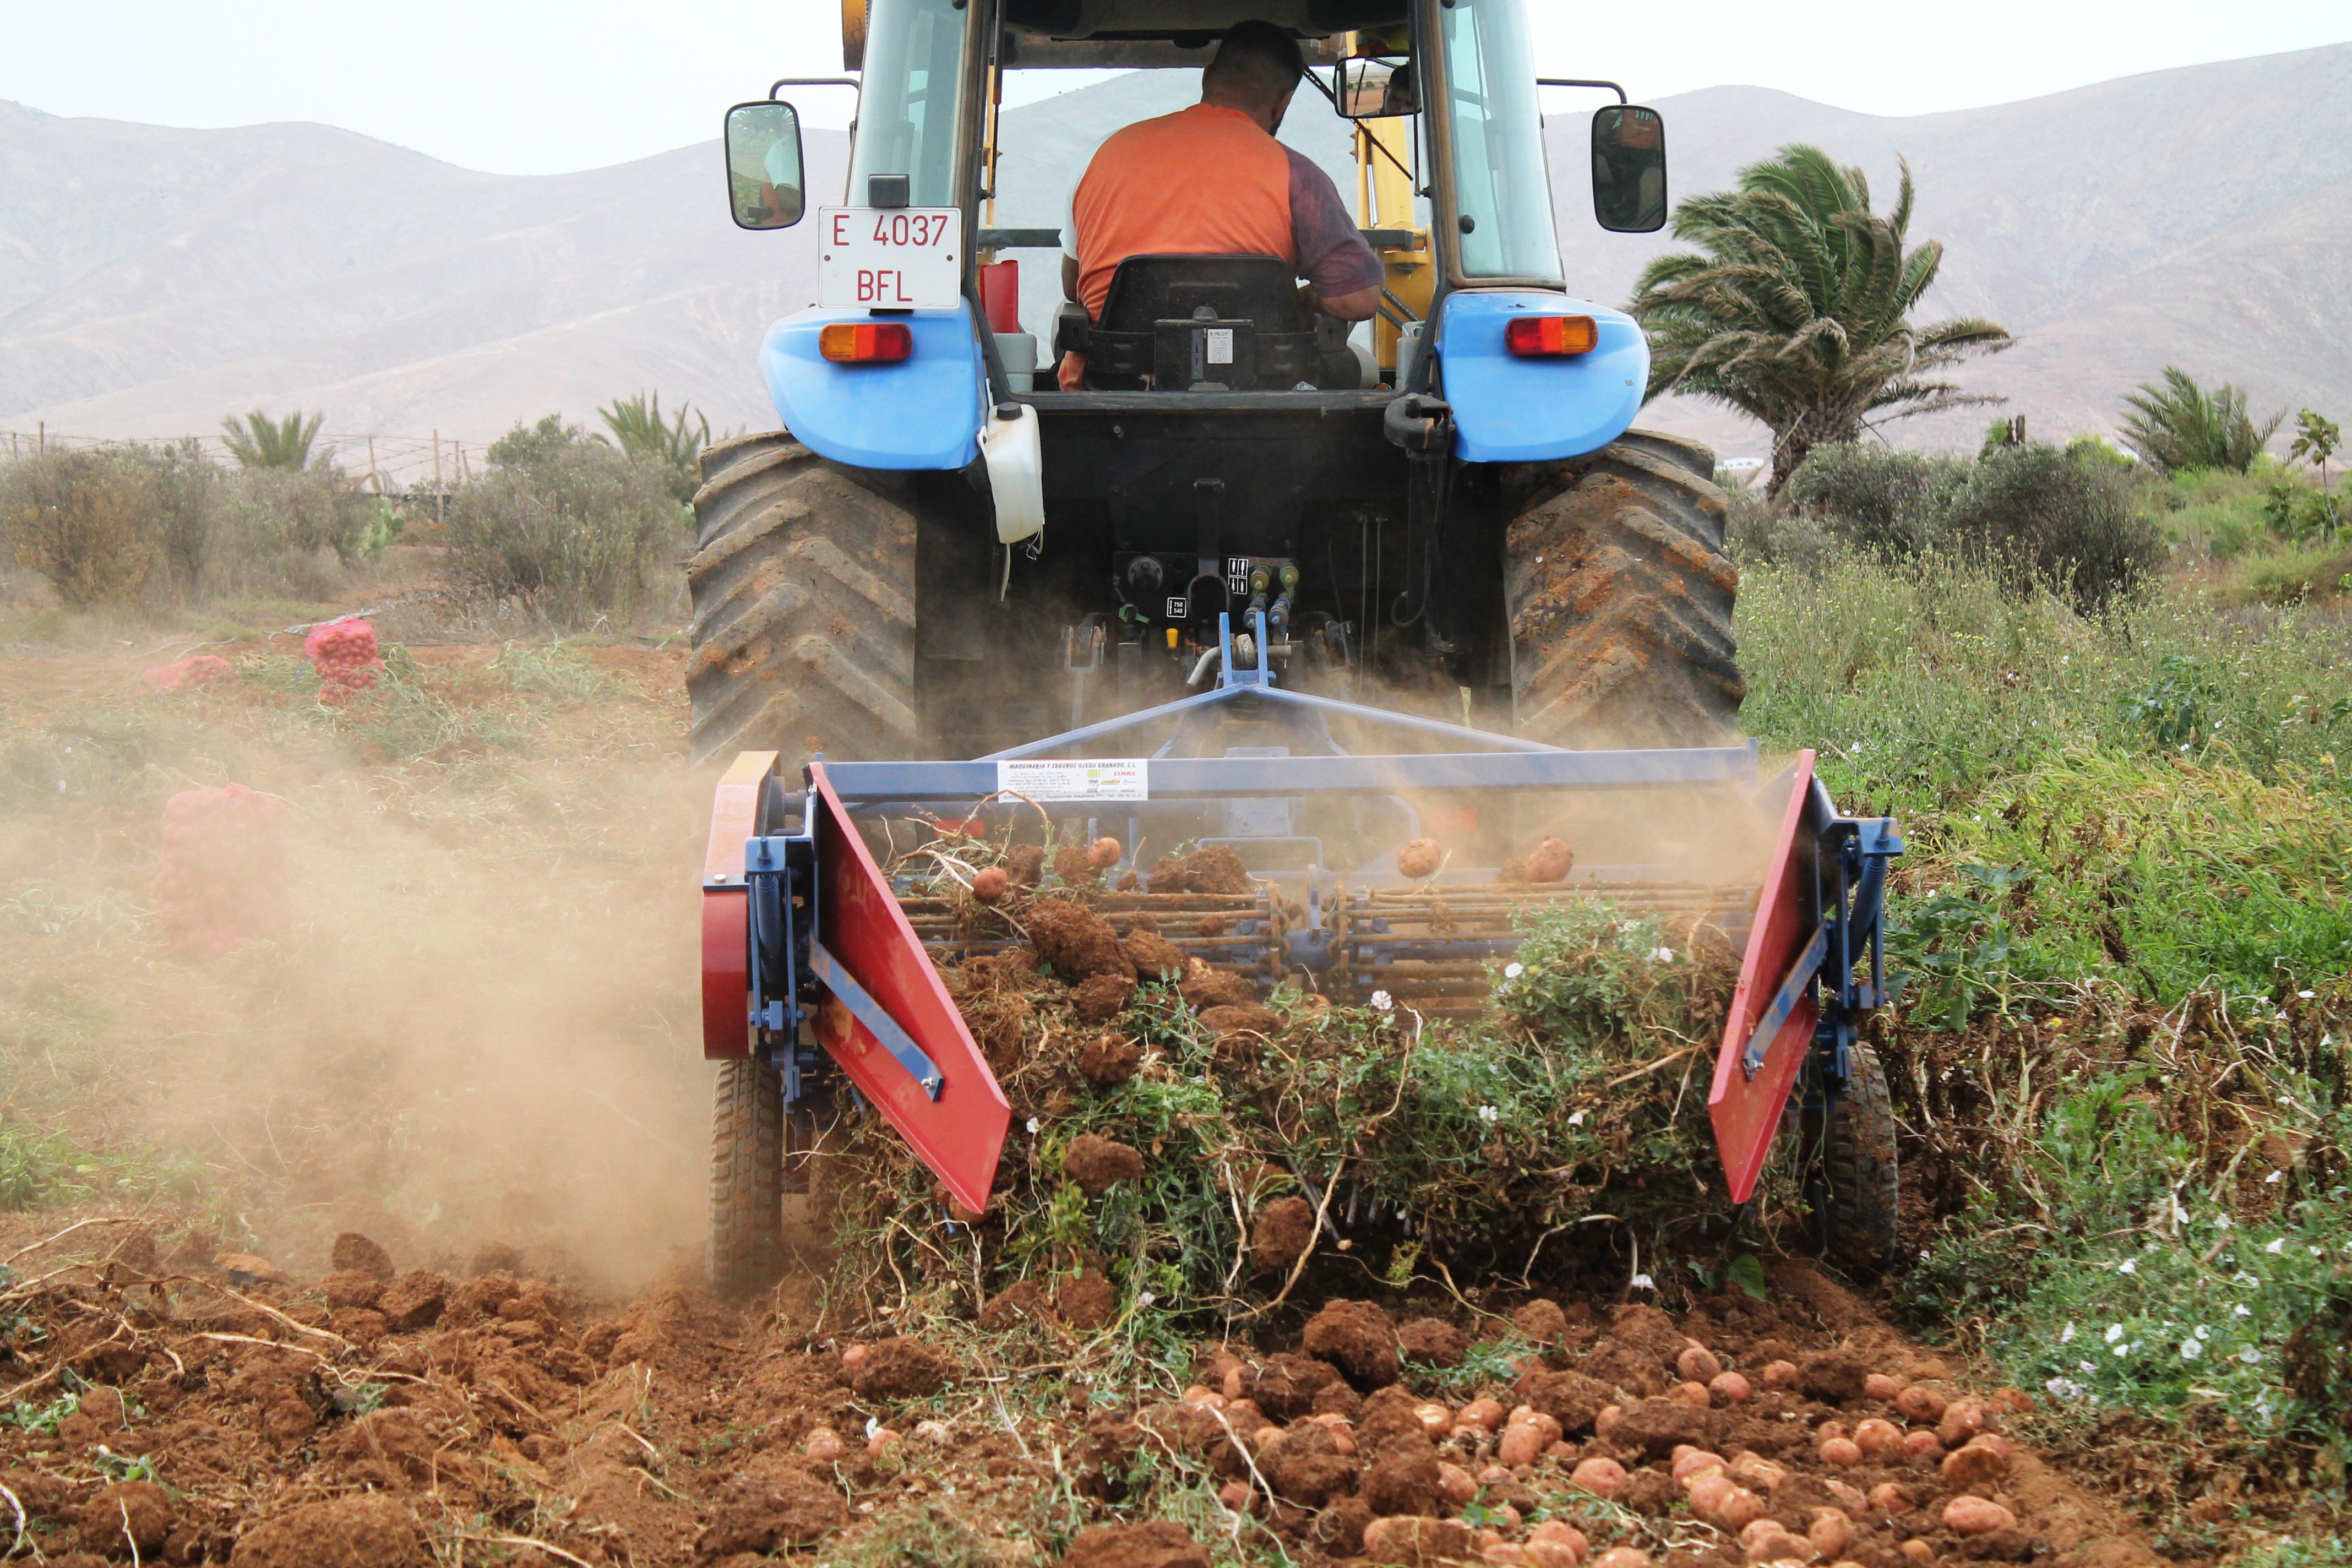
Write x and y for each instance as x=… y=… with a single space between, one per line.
x=890 y=258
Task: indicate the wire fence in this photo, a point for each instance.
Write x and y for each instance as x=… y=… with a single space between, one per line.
x=379 y=464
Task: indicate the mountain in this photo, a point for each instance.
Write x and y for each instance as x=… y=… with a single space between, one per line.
x=152 y=280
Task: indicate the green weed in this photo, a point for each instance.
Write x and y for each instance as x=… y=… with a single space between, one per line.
x=559 y=670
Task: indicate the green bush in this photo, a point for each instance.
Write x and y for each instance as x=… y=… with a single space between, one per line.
x=565 y=527
x=274 y=527
x=84 y=520
x=2063 y=518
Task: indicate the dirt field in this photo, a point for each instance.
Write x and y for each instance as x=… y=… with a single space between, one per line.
x=376 y=1241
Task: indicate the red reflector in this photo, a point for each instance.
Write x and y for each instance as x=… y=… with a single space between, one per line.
x=1545 y=337
x=866 y=342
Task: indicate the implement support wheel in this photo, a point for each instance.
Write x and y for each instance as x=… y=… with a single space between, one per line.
x=1619 y=598
x=747 y=1173
x=1858 y=1195
x=802 y=578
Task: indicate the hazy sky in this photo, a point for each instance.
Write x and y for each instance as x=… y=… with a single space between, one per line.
x=533 y=87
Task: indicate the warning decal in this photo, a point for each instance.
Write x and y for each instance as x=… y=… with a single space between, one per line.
x=1120 y=779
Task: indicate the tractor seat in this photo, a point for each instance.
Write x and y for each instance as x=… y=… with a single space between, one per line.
x=1221 y=323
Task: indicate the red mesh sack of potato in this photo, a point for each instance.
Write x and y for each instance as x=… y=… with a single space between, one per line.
x=221 y=877
x=343 y=653
x=188 y=672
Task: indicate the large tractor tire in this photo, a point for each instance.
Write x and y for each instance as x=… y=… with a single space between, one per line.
x=802 y=577
x=1857 y=1193
x=747 y=1178
x=1619 y=599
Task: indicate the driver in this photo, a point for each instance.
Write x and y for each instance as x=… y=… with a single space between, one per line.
x=1211 y=180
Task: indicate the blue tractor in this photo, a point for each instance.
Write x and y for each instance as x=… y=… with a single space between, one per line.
x=1273 y=545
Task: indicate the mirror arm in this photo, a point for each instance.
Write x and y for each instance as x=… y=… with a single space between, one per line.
x=783 y=82
x=1578 y=81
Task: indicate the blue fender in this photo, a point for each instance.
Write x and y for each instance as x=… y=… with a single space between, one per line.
x=1512 y=410
x=924 y=412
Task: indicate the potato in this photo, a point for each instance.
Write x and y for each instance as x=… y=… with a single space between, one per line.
x=1963 y=1420
x=1436 y=1420
x=1603 y=1477
x=988 y=884
x=1104 y=853
x=1829 y=1429
x=1777 y=1547
x=1779 y=1374
x=1830 y=1531
x=1892 y=1496
x=1878 y=1439
x=1965 y=1515
x=1486 y=1414
x=1729 y=1388
x=1976 y=1463
x=1201 y=1394
x=1236 y=1496
x=1698 y=1364
x=1708 y=1490
x=1556 y=1543
x=1923 y=1445
x=1843 y=1452
x=1920 y=1404
x=1690 y=1461
x=823 y=1445
x=1262 y=1437
x=1919 y=1551
x=1420 y=859
x=1881 y=1387
x=1738 y=1508
x=1693 y=1393
x=855 y=1357
x=1606 y=1419
x=881 y=1443
x=1621 y=1556
x=1503 y=1555
x=1752 y=1469
x=1847 y=1497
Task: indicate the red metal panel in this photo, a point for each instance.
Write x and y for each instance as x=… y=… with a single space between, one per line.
x=1747 y=1112
x=726 y=939
x=960 y=1134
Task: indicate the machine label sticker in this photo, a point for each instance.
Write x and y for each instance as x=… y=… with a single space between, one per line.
x=1178 y=608
x=890 y=258
x=1058 y=779
x=1237 y=574
x=1221 y=345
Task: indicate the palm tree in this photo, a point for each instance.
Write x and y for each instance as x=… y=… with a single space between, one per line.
x=1798 y=311
x=636 y=427
x=261 y=442
x=2182 y=426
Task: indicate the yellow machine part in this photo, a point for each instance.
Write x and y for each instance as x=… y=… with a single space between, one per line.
x=853 y=34
x=1384 y=200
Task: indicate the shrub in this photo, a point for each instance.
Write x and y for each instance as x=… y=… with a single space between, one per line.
x=84 y=520
x=272 y=525
x=2059 y=519
x=1875 y=497
x=565 y=526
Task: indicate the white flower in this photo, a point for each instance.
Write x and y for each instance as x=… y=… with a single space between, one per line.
x=1032 y=1124
x=1644 y=1282
x=2128 y=1266
x=872 y=1427
x=2316 y=1252
x=1664 y=956
x=2114 y=1332
x=2243 y=1278
x=2089 y=1366
x=2242 y=1310
x=2278 y=1245
x=1512 y=971
x=1145 y=1298
x=2272 y=1180
x=2203 y=1332
x=2221 y=1222
x=2307 y=995
x=2122 y=1351
x=1576 y=1119
x=1384 y=1001
x=2191 y=1349
x=2250 y=1355
x=2179 y=1215
x=2063 y=1388
x=2068 y=1337
x=1489 y=1115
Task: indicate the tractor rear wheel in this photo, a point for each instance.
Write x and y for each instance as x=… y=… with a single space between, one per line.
x=802 y=578
x=747 y=1177
x=1861 y=1187
x=1619 y=598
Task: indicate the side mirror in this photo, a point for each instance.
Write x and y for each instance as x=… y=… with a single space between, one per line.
x=1629 y=169
x=764 y=165
x=1374 y=90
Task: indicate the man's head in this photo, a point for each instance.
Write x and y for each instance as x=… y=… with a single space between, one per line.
x=1256 y=70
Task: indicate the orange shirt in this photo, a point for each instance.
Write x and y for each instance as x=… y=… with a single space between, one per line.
x=1204 y=181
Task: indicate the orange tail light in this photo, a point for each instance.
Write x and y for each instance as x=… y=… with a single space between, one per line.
x=867 y=342
x=1548 y=337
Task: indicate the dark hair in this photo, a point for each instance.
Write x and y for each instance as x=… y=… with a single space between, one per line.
x=1261 y=55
